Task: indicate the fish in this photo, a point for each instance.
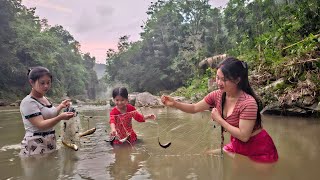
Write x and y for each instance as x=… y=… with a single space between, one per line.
x=165 y=145
x=87 y=132
x=124 y=139
x=70 y=145
x=113 y=138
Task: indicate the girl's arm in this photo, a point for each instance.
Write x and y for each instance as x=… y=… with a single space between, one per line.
x=138 y=116
x=113 y=129
x=112 y=122
x=135 y=114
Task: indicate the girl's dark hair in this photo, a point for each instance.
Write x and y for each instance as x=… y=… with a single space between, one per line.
x=120 y=91
x=36 y=73
x=232 y=69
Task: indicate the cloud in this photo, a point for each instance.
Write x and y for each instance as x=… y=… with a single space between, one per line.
x=104 y=11
x=98 y=24
x=47 y=4
x=91 y=20
x=86 y=22
x=123 y=27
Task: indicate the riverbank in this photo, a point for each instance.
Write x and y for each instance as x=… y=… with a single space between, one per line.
x=297 y=103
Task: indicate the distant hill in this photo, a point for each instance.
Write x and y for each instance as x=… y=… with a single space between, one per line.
x=100 y=70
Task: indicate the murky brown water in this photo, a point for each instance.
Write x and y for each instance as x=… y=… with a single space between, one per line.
x=297 y=140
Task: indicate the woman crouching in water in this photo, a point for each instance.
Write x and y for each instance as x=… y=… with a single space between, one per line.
x=237 y=109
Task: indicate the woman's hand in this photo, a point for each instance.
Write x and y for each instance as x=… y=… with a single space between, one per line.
x=215 y=115
x=65 y=103
x=167 y=100
x=66 y=115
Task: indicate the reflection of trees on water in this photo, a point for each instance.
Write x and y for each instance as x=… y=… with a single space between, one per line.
x=296 y=140
x=56 y=165
x=127 y=163
x=40 y=166
x=68 y=160
x=59 y=164
x=186 y=167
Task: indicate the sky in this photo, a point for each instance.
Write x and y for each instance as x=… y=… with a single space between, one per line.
x=98 y=24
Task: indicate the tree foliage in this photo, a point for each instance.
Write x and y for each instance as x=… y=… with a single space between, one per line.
x=180 y=33
x=177 y=35
x=27 y=41
x=175 y=38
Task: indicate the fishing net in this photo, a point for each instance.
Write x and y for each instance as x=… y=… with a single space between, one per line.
x=71 y=128
x=72 y=132
x=190 y=136
x=174 y=133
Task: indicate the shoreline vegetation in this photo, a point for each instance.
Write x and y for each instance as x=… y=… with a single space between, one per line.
x=180 y=44
x=146 y=99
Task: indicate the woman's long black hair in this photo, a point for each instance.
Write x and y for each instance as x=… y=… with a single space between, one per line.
x=232 y=69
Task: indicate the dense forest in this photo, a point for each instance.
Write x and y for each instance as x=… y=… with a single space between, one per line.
x=180 y=33
x=278 y=38
x=27 y=41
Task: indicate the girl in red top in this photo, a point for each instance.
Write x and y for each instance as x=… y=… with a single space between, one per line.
x=237 y=109
x=121 y=117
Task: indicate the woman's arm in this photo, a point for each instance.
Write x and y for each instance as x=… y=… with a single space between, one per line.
x=42 y=124
x=185 y=107
x=243 y=133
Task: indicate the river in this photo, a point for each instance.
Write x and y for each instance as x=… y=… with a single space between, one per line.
x=297 y=141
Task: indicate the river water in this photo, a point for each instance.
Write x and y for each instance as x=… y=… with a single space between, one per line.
x=297 y=141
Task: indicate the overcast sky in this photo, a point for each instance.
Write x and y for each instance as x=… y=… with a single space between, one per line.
x=98 y=24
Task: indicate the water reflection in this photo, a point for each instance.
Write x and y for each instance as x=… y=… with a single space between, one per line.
x=128 y=163
x=67 y=162
x=297 y=141
x=58 y=165
x=40 y=167
x=242 y=168
x=186 y=167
